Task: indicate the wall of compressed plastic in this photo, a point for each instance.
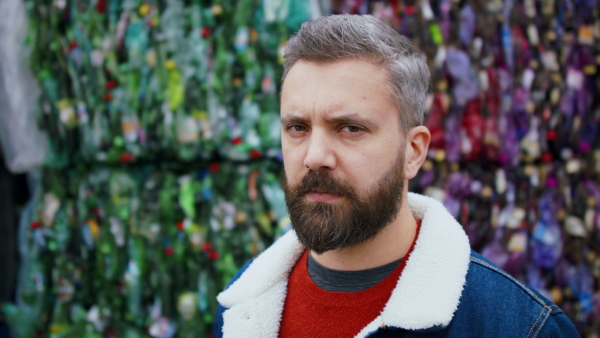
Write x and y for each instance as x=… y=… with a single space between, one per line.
x=514 y=115
x=162 y=177
x=164 y=161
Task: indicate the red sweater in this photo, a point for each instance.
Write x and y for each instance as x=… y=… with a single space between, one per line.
x=312 y=312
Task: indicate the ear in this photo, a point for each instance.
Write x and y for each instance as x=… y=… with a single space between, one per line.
x=417 y=145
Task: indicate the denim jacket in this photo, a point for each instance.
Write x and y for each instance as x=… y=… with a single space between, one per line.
x=445 y=290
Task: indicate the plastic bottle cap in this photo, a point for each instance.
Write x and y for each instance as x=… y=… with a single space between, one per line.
x=144 y=9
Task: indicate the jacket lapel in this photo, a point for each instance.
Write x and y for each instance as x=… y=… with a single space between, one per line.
x=429 y=289
x=256 y=299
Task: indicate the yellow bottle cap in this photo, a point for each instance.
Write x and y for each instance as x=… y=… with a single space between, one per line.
x=144 y=9
x=170 y=64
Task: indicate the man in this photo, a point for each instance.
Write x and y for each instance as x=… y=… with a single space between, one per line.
x=367 y=258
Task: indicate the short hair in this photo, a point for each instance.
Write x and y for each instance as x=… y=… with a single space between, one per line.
x=363 y=37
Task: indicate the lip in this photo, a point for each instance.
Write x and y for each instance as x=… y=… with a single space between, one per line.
x=322 y=197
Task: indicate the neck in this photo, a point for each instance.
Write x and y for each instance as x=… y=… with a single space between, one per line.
x=390 y=244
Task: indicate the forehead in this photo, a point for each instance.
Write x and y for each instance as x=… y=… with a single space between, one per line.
x=349 y=86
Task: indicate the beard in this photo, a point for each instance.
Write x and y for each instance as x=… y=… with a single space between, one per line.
x=350 y=221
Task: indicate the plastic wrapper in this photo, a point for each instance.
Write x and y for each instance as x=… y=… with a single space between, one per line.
x=23 y=145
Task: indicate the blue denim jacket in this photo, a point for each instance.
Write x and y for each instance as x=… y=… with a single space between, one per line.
x=446 y=290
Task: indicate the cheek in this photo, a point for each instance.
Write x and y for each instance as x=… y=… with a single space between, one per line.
x=369 y=167
x=293 y=163
x=369 y=174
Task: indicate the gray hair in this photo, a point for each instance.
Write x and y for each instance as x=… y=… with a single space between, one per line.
x=342 y=37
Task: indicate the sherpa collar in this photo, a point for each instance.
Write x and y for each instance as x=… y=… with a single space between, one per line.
x=426 y=296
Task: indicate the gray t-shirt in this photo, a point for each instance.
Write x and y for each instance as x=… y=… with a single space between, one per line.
x=348 y=281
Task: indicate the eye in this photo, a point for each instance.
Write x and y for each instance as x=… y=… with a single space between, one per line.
x=352 y=129
x=296 y=130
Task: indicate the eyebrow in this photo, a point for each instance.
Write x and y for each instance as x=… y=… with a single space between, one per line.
x=347 y=118
x=352 y=118
x=292 y=119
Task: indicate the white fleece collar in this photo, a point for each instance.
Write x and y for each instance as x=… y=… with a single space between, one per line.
x=427 y=294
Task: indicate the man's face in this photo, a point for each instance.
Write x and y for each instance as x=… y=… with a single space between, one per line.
x=343 y=152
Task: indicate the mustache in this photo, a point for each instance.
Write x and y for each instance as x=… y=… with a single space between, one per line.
x=322 y=181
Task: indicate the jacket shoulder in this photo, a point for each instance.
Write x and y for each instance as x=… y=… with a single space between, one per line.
x=488 y=274
x=494 y=301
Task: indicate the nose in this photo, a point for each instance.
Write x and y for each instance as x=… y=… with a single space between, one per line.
x=320 y=153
